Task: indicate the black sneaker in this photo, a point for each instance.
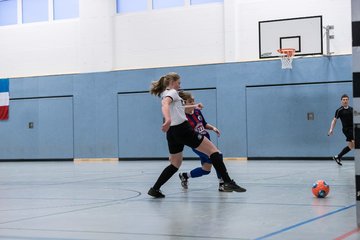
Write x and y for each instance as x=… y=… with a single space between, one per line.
x=221 y=187
x=232 y=186
x=184 y=181
x=337 y=160
x=155 y=193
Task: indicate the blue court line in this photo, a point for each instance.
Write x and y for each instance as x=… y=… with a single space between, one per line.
x=302 y=223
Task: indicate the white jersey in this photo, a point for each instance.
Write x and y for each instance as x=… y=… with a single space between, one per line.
x=177 y=109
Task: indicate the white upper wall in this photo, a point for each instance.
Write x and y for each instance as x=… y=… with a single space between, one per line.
x=39 y=49
x=170 y=37
x=101 y=40
x=62 y=46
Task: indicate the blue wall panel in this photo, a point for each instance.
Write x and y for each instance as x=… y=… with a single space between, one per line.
x=51 y=135
x=41 y=86
x=17 y=141
x=55 y=128
x=95 y=115
x=140 y=120
x=277 y=120
x=102 y=102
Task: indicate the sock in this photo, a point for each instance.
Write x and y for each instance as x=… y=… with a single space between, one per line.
x=198 y=172
x=166 y=174
x=217 y=173
x=218 y=163
x=344 y=151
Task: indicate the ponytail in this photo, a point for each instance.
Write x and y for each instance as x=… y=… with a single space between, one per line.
x=157 y=87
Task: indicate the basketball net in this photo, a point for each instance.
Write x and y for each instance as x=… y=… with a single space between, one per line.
x=286 y=56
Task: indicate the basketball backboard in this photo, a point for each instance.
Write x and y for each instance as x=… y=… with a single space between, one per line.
x=304 y=34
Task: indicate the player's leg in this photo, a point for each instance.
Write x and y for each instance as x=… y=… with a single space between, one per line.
x=348 y=132
x=351 y=144
x=221 y=181
x=196 y=172
x=204 y=145
x=216 y=158
x=345 y=150
x=206 y=166
x=166 y=174
x=176 y=157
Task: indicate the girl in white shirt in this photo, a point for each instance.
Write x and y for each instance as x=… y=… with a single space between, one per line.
x=179 y=133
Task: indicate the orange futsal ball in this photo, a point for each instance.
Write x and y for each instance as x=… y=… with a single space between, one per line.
x=320 y=189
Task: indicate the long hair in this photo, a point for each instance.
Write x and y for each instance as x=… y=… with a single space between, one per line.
x=157 y=87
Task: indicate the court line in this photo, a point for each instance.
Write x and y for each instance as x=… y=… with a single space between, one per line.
x=348 y=234
x=106 y=204
x=303 y=223
x=134 y=234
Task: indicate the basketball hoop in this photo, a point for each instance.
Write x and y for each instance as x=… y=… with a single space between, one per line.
x=287 y=55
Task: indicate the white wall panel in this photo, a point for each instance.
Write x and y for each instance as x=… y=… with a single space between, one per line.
x=170 y=37
x=96 y=35
x=39 y=49
x=60 y=47
x=101 y=40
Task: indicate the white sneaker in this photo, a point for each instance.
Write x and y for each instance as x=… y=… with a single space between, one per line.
x=184 y=181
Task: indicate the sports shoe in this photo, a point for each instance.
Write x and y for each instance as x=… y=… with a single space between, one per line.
x=184 y=181
x=221 y=187
x=156 y=193
x=337 y=160
x=232 y=186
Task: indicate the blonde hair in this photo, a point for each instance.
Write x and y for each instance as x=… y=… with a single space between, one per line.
x=157 y=87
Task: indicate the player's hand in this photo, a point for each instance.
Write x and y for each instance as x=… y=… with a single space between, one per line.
x=166 y=125
x=330 y=132
x=216 y=131
x=199 y=106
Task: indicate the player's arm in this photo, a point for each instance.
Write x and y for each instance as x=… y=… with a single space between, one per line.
x=213 y=128
x=197 y=106
x=332 y=126
x=165 y=108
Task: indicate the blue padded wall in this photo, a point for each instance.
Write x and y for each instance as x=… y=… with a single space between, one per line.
x=102 y=105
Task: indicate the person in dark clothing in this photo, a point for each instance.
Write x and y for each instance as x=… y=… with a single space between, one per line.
x=345 y=113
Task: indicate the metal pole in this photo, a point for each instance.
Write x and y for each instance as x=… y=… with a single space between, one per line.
x=328 y=37
x=355 y=6
x=327 y=33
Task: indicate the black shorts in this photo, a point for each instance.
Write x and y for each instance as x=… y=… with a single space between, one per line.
x=349 y=134
x=180 y=135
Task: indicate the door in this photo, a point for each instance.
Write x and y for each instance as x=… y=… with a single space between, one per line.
x=280 y=124
x=38 y=128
